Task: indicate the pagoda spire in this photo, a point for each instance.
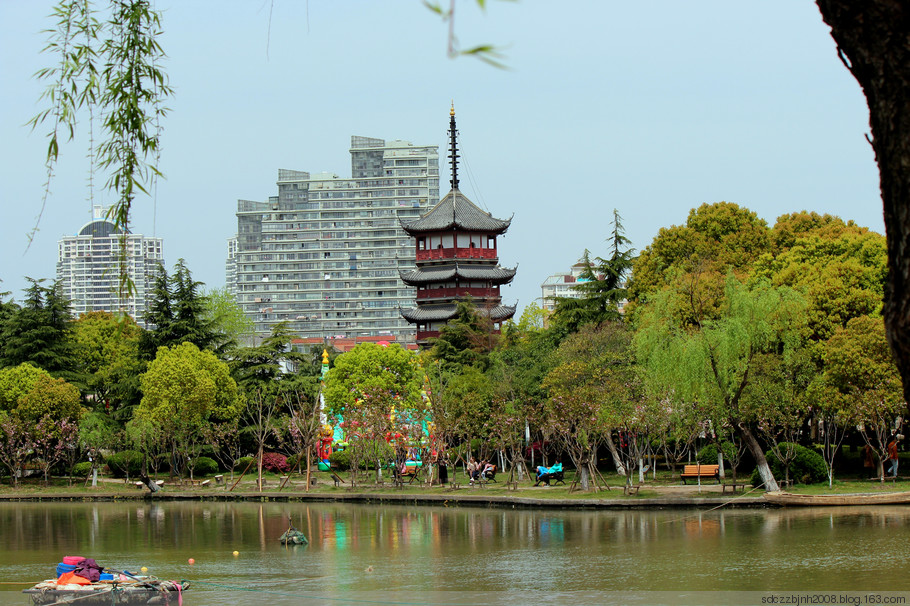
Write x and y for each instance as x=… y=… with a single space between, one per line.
x=453 y=147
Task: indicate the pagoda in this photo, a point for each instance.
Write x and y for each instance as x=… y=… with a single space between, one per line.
x=457 y=259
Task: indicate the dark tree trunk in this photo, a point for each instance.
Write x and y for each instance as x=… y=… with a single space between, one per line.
x=873 y=40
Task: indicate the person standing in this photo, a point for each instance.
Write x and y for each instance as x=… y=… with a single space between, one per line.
x=892 y=456
x=443 y=469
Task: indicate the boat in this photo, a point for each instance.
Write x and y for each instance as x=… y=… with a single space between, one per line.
x=124 y=590
x=824 y=500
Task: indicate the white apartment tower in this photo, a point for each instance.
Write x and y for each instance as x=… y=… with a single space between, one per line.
x=88 y=268
x=324 y=254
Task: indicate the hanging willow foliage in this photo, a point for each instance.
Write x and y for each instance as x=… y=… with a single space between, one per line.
x=108 y=68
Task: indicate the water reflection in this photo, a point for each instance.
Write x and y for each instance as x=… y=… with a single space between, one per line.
x=419 y=550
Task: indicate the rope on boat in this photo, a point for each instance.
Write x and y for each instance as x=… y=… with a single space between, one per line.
x=313 y=596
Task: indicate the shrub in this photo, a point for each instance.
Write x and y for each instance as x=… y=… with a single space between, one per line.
x=125 y=463
x=807 y=467
x=341 y=459
x=241 y=463
x=205 y=466
x=274 y=462
x=81 y=470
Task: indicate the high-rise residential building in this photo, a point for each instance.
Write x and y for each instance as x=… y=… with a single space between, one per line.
x=324 y=254
x=230 y=267
x=457 y=260
x=89 y=266
x=562 y=286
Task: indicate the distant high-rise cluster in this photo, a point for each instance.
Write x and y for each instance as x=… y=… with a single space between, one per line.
x=324 y=254
x=88 y=268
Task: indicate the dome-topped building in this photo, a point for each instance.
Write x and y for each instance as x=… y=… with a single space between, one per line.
x=89 y=268
x=457 y=259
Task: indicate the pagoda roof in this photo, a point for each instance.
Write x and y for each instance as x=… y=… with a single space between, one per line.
x=465 y=271
x=456 y=211
x=447 y=311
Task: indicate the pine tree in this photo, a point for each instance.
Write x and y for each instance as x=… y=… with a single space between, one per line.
x=39 y=331
x=602 y=285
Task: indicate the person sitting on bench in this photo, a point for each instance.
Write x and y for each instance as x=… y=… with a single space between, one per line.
x=489 y=472
x=545 y=474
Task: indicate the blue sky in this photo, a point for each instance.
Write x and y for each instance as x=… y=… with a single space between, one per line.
x=650 y=107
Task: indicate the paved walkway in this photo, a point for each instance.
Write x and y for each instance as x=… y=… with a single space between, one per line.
x=680 y=497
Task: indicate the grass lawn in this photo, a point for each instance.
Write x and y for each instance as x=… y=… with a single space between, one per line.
x=662 y=485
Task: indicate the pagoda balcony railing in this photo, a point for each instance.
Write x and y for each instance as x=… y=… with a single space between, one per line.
x=456 y=253
x=452 y=293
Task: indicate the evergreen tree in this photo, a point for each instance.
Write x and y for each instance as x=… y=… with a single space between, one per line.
x=465 y=340
x=39 y=330
x=178 y=314
x=261 y=367
x=602 y=285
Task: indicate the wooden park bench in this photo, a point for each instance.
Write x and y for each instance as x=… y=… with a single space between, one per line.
x=700 y=471
x=733 y=486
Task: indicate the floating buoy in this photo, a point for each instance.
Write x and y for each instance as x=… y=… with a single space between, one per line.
x=236 y=553
x=144 y=569
x=191 y=561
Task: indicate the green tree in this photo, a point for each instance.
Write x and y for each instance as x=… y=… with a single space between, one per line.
x=860 y=381
x=695 y=258
x=465 y=340
x=225 y=316
x=106 y=350
x=184 y=387
x=776 y=397
x=52 y=398
x=369 y=384
x=601 y=287
x=179 y=313
x=39 y=331
x=262 y=367
x=592 y=392
x=840 y=267
x=16 y=382
x=712 y=365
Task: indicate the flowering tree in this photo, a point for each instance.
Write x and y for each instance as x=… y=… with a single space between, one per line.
x=505 y=429
x=51 y=441
x=15 y=444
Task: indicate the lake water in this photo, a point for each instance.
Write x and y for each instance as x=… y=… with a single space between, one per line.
x=372 y=554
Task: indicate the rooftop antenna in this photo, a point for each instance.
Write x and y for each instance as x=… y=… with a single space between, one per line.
x=453 y=150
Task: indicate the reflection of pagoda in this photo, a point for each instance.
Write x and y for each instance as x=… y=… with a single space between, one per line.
x=456 y=259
